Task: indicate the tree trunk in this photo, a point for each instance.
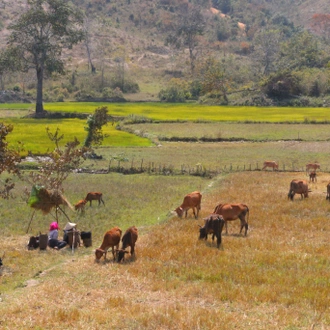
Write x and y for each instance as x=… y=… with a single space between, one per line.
x=39 y=104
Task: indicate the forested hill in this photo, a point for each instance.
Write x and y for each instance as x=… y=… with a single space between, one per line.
x=221 y=51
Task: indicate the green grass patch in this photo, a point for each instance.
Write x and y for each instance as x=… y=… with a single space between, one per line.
x=191 y=112
x=34 y=137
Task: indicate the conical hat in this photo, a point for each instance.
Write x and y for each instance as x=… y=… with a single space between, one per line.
x=69 y=226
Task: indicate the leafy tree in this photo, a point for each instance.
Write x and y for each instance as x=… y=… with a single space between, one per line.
x=38 y=37
x=9 y=159
x=214 y=79
x=94 y=126
x=302 y=50
x=267 y=49
x=188 y=27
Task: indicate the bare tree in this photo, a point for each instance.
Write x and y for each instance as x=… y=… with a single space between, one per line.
x=186 y=30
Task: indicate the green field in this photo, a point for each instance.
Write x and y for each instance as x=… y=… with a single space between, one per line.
x=190 y=112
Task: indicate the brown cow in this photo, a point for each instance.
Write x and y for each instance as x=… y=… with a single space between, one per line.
x=94 y=196
x=129 y=239
x=80 y=206
x=312 y=166
x=328 y=191
x=298 y=187
x=232 y=212
x=190 y=201
x=111 y=239
x=270 y=163
x=312 y=176
x=213 y=224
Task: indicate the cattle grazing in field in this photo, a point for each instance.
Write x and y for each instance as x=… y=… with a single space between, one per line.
x=213 y=224
x=312 y=166
x=111 y=239
x=328 y=192
x=298 y=187
x=312 y=176
x=80 y=206
x=129 y=239
x=94 y=196
x=190 y=201
x=270 y=163
x=231 y=212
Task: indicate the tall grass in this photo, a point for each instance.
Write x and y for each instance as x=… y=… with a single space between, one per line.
x=275 y=278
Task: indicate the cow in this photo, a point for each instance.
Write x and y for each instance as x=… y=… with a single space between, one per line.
x=1 y=262
x=298 y=187
x=129 y=239
x=328 y=192
x=111 y=239
x=312 y=176
x=312 y=166
x=213 y=224
x=94 y=196
x=231 y=212
x=270 y=163
x=80 y=206
x=190 y=201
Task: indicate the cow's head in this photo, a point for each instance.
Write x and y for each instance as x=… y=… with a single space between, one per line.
x=202 y=232
x=98 y=254
x=121 y=254
x=179 y=211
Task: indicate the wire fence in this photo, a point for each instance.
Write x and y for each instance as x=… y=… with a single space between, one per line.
x=153 y=168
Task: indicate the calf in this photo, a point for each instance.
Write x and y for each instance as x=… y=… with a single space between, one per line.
x=129 y=239
x=213 y=224
x=312 y=176
x=111 y=239
x=190 y=201
x=94 y=196
x=80 y=206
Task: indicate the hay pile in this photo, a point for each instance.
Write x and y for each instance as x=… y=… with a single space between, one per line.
x=44 y=199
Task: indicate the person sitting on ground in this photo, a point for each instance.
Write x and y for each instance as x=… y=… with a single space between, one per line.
x=53 y=240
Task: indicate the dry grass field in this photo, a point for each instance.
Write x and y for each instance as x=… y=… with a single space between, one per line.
x=278 y=277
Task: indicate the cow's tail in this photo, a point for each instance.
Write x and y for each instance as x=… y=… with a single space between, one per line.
x=247 y=213
x=217 y=208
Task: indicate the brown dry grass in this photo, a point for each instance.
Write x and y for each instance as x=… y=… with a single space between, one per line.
x=275 y=278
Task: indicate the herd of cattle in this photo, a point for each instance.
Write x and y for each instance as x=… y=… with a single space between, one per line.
x=213 y=224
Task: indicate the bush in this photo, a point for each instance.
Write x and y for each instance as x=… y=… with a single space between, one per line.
x=281 y=85
x=171 y=94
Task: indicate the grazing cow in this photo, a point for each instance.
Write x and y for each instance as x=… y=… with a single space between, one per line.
x=312 y=176
x=328 y=192
x=94 y=196
x=298 y=187
x=129 y=239
x=270 y=163
x=190 y=201
x=213 y=224
x=111 y=239
x=231 y=212
x=312 y=166
x=80 y=206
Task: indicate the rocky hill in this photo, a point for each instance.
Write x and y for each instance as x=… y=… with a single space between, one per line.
x=128 y=39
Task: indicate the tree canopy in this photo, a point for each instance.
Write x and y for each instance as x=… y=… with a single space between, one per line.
x=38 y=37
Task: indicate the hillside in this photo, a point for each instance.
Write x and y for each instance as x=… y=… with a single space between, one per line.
x=127 y=41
